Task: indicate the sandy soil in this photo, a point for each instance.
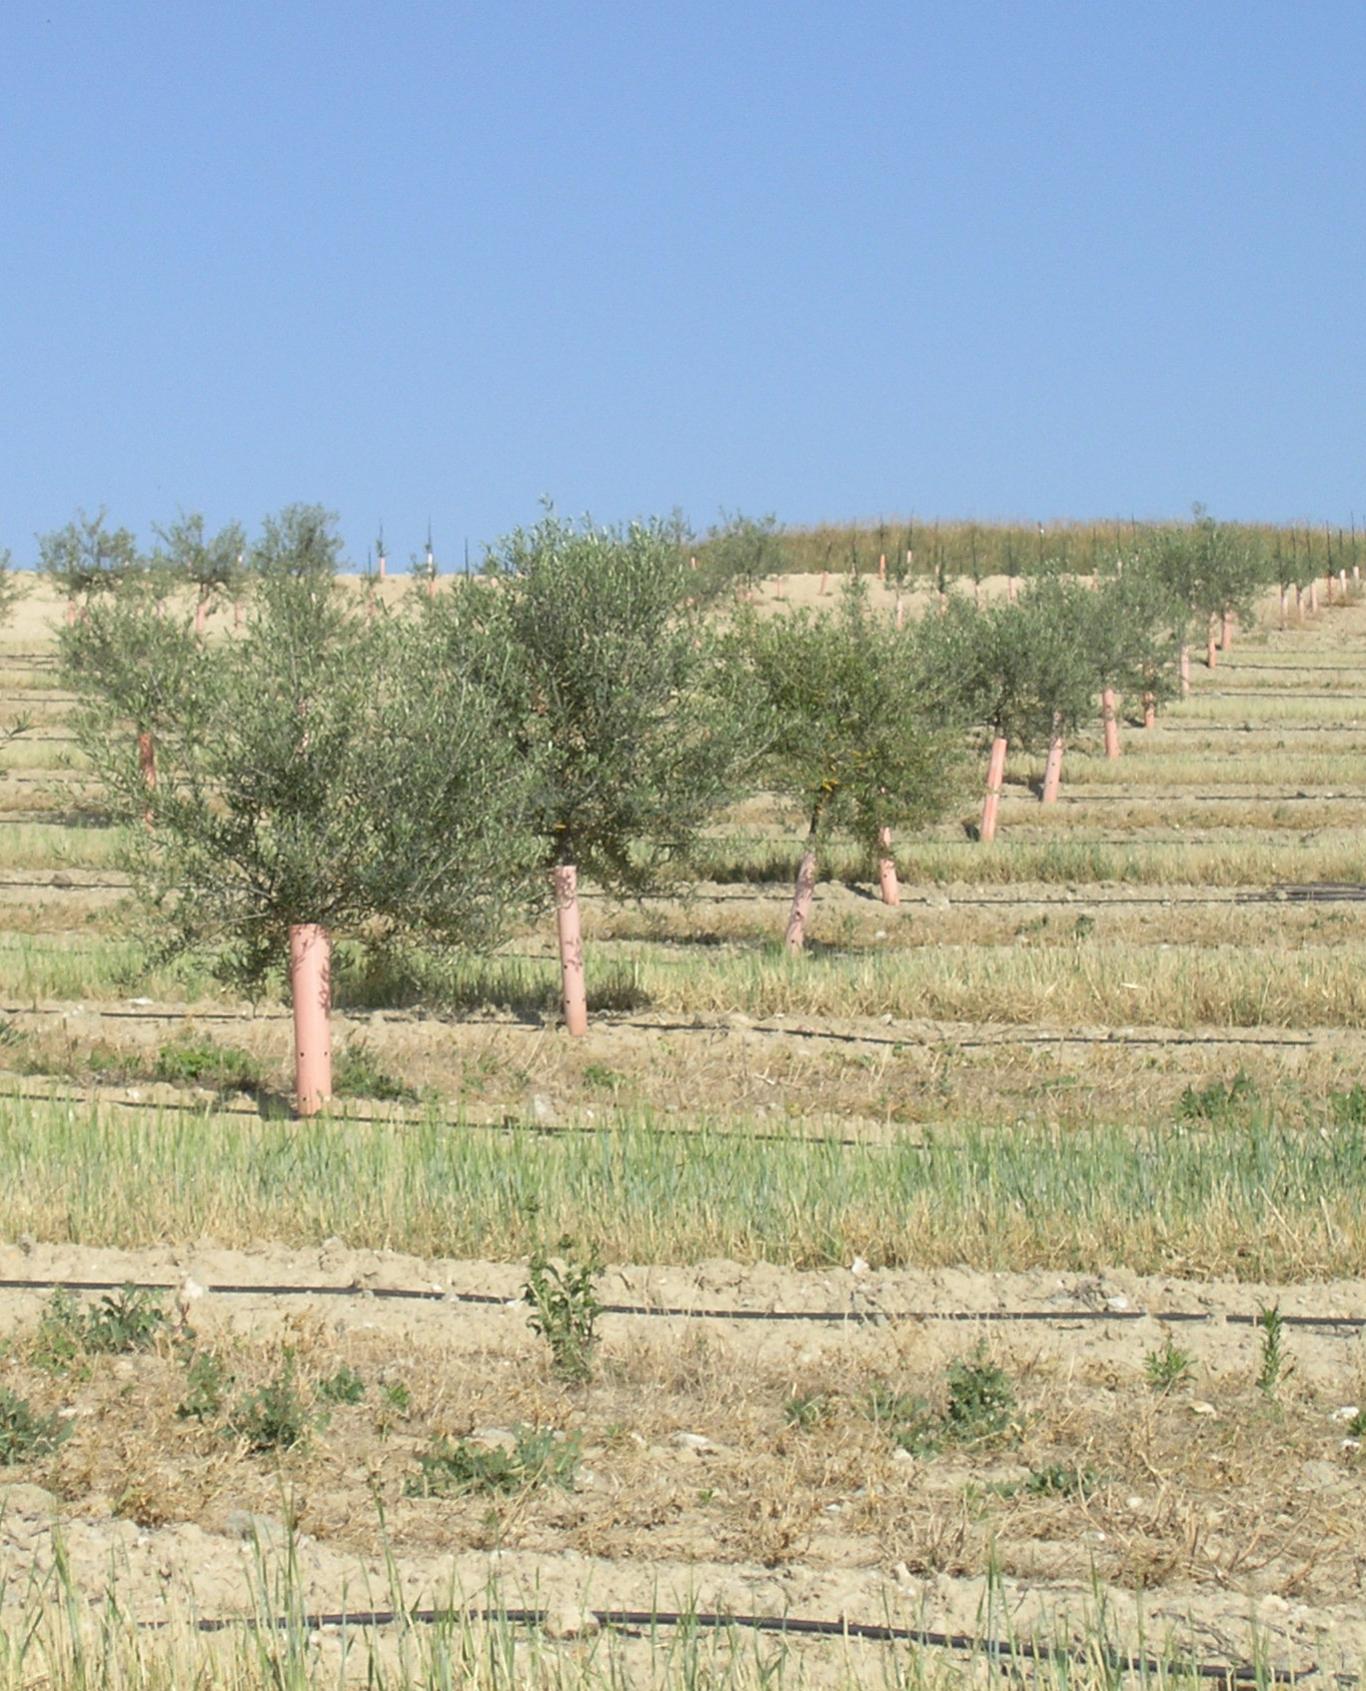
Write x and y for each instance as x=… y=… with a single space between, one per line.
x=1210 y=1505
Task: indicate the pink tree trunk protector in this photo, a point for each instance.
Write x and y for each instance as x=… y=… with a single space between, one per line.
x=1052 y=771
x=886 y=869
x=802 y=897
x=1110 y=722
x=996 y=774
x=310 y=987
x=565 y=879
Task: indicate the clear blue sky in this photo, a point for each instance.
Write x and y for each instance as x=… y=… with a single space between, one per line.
x=825 y=259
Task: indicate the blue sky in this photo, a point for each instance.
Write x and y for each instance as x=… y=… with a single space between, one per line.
x=827 y=260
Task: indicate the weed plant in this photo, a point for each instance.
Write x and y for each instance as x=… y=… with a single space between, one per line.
x=25 y=1435
x=565 y=1310
x=457 y=1468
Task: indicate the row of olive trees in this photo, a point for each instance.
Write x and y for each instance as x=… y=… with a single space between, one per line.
x=334 y=768
x=585 y=705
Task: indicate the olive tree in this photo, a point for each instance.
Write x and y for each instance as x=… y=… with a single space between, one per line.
x=318 y=777
x=609 y=684
x=860 y=738
x=213 y=565
x=1054 y=626
x=86 y=558
x=1134 y=639
x=740 y=552
x=1213 y=572
x=132 y=665
x=1018 y=672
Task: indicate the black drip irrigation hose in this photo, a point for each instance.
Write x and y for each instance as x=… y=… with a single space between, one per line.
x=638 y=1622
x=505 y=1124
x=682 y=1312
x=1216 y=728
x=606 y=1019
x=1271 y=693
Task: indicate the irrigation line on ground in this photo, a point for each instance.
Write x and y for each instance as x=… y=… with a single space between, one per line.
x=638 y=1621
x=506 y=1124
x=607 y=1020
x=680 y=1312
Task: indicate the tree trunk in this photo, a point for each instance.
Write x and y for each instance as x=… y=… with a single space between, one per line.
x=1184 y=669
x=1211 y=647
x=1149 y=710
x=147 y=764
x=886 y=869
x=900 y=613
x=1285 y=599
x=1314 y=594
x=803 y=894
x=71 y=613
x=1342 y=583
x=1299 y=604
x=1328 y=586
x=1110 y=722
x=882 y=566
x=310 y=989
x=201 y=611
x=825 y=582
x=1052 y=770
x=996 y=774
x=565 y=879
x=1012 y=588
x=1226 y=632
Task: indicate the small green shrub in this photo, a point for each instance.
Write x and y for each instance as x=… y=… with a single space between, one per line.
x=807 y=1410
x=1219 y=1101
x=275 y=1417
x=357 y=1074
x=59 y=1342
x=191 y=1062
x=1274 y=1363
x=981 y=1399
x=565 y=1310
x=129 y=1320
x=125 y=1321
x=1059 y=1480
x=979 y=1402
x=207 y=1379
x=1168 y=1366
x=457 y=1468
x=345 y=1386
x=25 y=1436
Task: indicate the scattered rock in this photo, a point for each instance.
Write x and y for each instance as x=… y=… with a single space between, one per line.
x=1202 y=1408
x=21 y=1499
x=494 y=1438
x=692 y=1441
